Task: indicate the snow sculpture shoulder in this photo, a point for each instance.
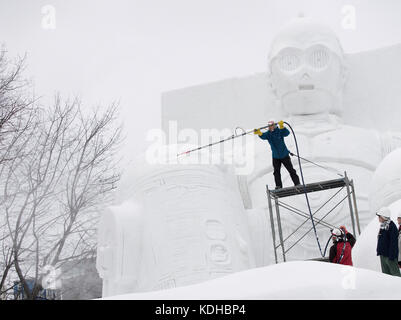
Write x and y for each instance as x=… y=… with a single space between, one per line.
x=385 y=188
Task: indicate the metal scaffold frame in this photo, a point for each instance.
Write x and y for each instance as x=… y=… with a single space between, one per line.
x=275 y=195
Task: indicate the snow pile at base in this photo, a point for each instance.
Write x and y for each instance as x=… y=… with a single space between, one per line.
x=364 y=252
x=290 y=280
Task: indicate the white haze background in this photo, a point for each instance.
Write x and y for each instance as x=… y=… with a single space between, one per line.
x=133 y=50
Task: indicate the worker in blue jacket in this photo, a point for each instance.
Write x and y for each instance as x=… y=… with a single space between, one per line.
x=275 y=136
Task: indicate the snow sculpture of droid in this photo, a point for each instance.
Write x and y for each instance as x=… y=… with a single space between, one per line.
x=192 y=228
x=308 y=76
x=385 y=191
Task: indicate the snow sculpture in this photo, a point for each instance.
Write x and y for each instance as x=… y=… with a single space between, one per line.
x=308 y=77
x=191 y=227
x=385 y=191
x=178 y=225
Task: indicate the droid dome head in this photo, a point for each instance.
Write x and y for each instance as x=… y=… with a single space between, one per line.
x=306 y=68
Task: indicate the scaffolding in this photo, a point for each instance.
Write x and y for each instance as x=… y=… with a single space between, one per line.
x=276 y=194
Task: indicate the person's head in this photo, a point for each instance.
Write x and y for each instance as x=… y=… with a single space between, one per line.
x=271 y=125
x=383 y=214
x=382 y=219
x=337 y=234
x=399 y=219
x=306 y=68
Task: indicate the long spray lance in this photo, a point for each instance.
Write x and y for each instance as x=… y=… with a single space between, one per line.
x=234 y=136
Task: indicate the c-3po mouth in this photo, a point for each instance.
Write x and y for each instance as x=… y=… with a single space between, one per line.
x=306 y=87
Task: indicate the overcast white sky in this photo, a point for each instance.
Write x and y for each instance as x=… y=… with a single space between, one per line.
x=133 y=50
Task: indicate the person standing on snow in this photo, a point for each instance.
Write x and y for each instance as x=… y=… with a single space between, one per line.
x=275 y=137
x=387 y=243
x=340 y=251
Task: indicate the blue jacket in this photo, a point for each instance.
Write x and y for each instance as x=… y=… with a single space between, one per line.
x=276 y=141
x=387 y=242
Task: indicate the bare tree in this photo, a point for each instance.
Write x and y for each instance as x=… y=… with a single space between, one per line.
x=58 y=166
x=16 y=119
x=16 y=104
x=53 y=193
x=91 y=176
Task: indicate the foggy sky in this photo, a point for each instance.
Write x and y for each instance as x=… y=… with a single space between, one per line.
x=133 y=50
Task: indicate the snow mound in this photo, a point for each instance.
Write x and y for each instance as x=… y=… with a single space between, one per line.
x=290 y=280
x=385 y=187
x=364 y=252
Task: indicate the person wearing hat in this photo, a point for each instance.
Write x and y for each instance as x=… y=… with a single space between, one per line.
x=340 y=251
x=275 y=137
x=387 y=243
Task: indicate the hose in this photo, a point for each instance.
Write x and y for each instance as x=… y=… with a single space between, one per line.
x=305 y=191
x=327 y=244
x=318 y=165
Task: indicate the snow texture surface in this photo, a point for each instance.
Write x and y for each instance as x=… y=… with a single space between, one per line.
x=290 y=280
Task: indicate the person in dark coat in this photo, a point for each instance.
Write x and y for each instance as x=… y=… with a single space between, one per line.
x=387 y=243
x=281 y=155
x=340 y=251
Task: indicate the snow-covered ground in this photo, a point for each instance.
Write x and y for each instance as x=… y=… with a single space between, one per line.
x=290 y=280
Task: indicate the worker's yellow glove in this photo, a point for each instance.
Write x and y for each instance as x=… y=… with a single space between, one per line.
x=258 y=132
x=281 y=124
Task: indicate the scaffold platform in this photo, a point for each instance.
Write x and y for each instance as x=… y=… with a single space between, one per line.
x=275 y=194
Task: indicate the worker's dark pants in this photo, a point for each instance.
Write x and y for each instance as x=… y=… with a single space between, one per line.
x=288 y=165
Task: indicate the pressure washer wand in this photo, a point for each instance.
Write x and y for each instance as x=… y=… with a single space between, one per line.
x=234 y=136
